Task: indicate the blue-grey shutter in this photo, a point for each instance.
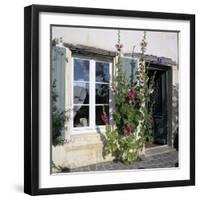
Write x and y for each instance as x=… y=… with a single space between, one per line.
x=58 y=74
x=129 y=68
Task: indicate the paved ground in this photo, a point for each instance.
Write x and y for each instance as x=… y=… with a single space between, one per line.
x=163 y=160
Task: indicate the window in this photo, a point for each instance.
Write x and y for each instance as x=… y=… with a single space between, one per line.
x=90 y=93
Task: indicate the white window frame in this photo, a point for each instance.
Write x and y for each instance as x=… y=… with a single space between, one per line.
x=93 y=128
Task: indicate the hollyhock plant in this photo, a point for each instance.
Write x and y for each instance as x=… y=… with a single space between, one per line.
x=128 y=131
x=131 y=127
x=132 y=95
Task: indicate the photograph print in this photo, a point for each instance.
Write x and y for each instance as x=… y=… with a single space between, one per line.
x=114 y=99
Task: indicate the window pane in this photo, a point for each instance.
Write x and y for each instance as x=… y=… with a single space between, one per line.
x=102 y=72
x=81 y=70
x=129 y=67
x=99 y=113
x=102 y=94
x=81 y=93
x=81 y=116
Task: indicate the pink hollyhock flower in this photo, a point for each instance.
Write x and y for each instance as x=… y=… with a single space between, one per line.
x=119 y=47
x=104 y=118
x=128 y=131
x=132 y=95
x=143 y=45
x=152 y=119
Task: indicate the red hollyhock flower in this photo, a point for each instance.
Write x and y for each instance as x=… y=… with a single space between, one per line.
x=132 y=95
x=128 y=131
x=104 y=118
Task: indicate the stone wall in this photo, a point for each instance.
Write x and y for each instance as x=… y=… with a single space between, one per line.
x=81 y=150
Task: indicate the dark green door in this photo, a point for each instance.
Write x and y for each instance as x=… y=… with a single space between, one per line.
x=159 y=106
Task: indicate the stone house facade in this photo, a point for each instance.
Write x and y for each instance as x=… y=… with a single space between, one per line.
x=81 y=72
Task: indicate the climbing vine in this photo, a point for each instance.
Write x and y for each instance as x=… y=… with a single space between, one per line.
x=58 y=118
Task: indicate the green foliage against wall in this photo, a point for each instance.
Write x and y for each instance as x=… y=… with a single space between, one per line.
x=58 y=118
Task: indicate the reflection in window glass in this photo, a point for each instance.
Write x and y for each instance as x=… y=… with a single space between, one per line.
x=81 y=116
x=99 y=113
x=102 y=72
x=81 y=93
x=102 y=94
x=81 y=70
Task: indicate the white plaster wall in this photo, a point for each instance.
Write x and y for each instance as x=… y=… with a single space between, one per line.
x=159 y=43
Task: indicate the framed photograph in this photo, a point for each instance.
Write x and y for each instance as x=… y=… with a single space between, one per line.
x=109 y=99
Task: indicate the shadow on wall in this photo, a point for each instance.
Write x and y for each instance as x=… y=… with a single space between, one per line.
x=175 y=114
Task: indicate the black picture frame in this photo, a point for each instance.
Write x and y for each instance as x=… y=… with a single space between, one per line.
x=31 y=98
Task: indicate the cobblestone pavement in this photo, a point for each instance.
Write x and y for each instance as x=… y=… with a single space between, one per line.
x=164 y=160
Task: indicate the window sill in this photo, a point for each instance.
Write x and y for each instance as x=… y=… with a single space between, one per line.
x=84 y=130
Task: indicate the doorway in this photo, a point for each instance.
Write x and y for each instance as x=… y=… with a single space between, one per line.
x=161 y=104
